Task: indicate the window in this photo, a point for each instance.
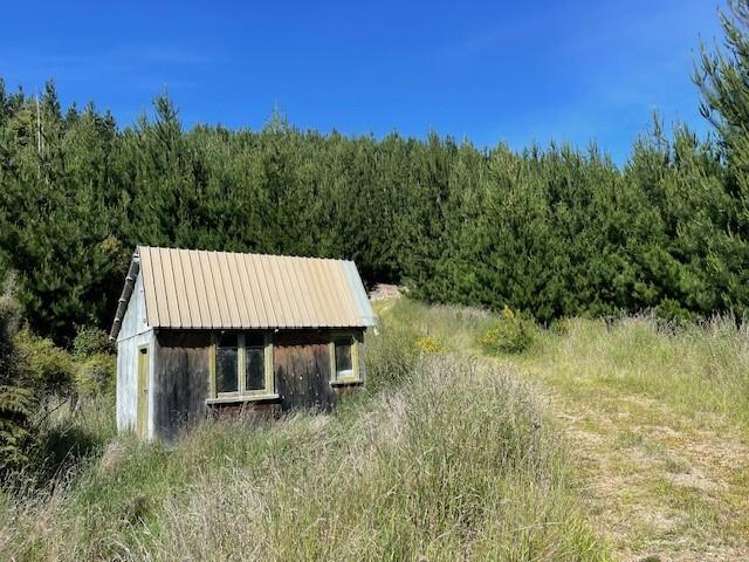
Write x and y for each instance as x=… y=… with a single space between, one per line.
x=344 y=360
x=254 y=371
x=227 y=354
x=242 y=367
x=343 y=366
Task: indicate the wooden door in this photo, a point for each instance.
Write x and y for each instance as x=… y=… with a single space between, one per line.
x=141 y=422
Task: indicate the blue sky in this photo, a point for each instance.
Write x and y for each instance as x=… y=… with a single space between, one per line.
x=497 y=71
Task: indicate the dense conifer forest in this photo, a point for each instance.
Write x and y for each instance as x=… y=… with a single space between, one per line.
x=554 y=231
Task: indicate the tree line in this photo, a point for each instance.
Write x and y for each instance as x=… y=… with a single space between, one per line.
x=555 y=231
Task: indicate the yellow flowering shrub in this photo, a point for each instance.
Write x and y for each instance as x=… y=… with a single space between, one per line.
x=512 y=333
x=429 y=344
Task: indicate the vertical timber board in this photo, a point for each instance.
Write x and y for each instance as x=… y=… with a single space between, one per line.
x=301 y=364
x=181 y=381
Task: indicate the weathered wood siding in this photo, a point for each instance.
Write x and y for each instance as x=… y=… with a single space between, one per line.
x=181 y=374
x=301 y=363
x=181 y=381
x=134 y=334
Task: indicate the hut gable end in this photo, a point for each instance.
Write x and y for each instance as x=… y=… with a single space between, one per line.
x=134 y=320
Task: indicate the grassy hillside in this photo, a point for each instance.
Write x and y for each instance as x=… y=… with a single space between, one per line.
x=599 y=441
x=700 y=370
x=657 y=418
x=445 y=458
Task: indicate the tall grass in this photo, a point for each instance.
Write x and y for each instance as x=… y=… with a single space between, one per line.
x=457 y=328
x=452 y=458
x=446 y=456
x=458 y=464
x=698 y=368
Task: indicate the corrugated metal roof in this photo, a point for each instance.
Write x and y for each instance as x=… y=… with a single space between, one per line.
x=222 y=290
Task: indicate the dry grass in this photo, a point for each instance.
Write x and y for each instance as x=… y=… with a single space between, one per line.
x=662 y=419
x=700 y=371
x=447 y=457
x=460 y=463
x=659 y=419
x=415 y=477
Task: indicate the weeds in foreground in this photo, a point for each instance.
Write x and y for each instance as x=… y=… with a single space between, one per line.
x=461 y=462
x=445 y=457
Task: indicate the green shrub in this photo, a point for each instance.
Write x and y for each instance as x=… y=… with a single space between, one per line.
x=36 y=372
x=90 y=340
x=36 y=378
x=16 y=430
x=512 y=333
x=560 y=326
x=17 y=403
x=48 y=368
x=671 y=314
x=95 y=375
x=9 y=318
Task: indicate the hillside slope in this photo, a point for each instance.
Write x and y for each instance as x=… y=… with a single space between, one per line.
x=657 y=419
x=600 y=441
x=444 y=458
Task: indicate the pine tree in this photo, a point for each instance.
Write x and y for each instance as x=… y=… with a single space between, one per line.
x=723 y=79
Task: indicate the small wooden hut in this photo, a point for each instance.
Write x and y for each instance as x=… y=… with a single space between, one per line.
x=199 y=330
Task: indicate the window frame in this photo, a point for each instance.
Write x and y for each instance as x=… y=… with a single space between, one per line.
x=242 y=394
x=355 y=376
